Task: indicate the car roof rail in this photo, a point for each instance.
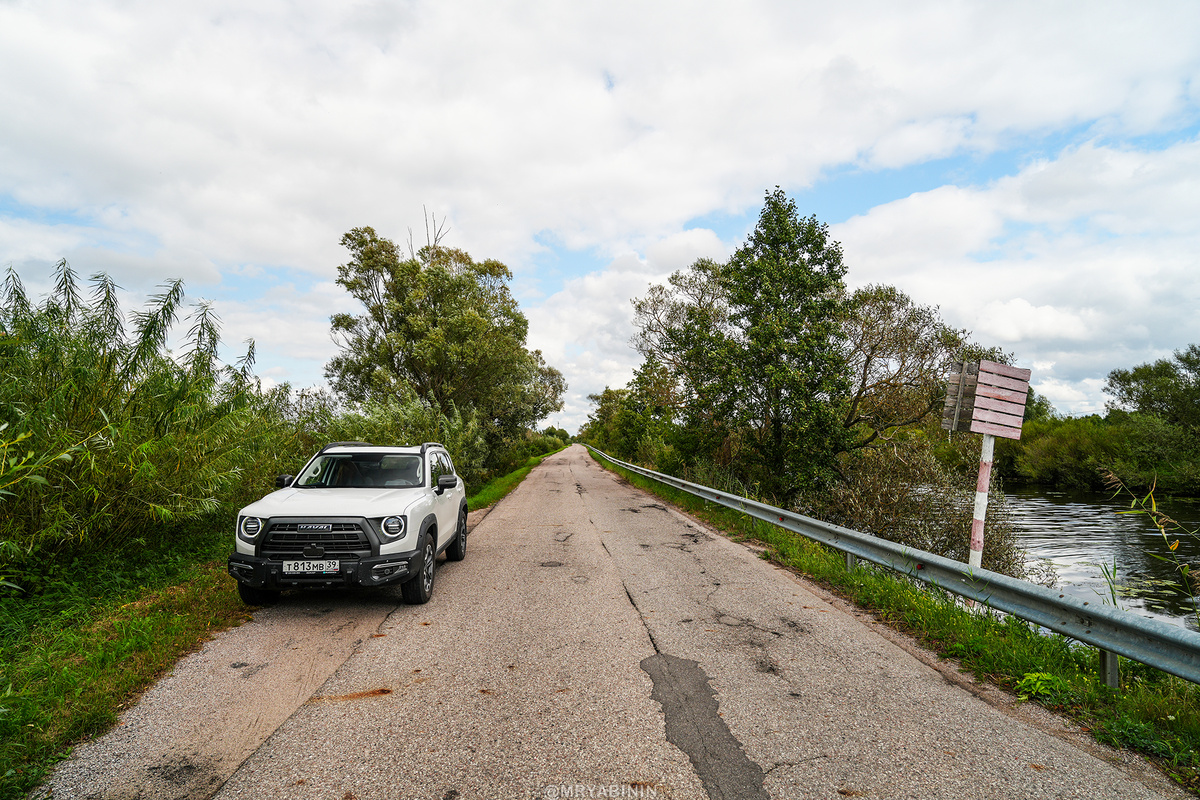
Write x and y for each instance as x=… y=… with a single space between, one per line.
x=345 y=444
x=428 y=445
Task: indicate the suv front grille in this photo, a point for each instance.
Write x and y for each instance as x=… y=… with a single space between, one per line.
x=337 y=527
x=346 y=540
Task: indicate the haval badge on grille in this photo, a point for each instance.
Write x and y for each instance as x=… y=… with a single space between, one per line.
x=314 y=527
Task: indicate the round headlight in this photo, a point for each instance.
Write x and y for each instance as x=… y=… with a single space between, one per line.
x=393 y=527
x=250 y=527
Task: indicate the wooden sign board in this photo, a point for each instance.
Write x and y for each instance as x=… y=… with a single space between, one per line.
x=986 y=397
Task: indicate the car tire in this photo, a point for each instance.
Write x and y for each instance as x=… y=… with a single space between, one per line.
x=253 y=596
x=418 y=589
x=457 y=550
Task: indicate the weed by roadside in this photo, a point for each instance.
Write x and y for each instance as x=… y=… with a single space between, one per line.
x=93 y=637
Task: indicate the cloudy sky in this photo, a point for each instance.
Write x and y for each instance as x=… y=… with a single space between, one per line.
x=1032 y=168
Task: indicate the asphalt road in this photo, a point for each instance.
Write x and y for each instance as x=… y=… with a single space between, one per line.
x=594 y=643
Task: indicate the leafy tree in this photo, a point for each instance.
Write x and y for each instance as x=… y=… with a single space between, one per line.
x=442 y=327
x=898 y=354
x=1168 y=388
x=752 y=348
x=681 y=327
x=785 y=372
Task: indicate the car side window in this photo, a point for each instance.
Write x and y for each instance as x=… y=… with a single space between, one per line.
x=449 y=464
x=435 y=468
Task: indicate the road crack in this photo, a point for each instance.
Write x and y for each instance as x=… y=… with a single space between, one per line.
x=694 y=725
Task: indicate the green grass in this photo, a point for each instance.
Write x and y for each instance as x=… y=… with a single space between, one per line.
x=495 y=489
x=1153 y=713
x=95 y=631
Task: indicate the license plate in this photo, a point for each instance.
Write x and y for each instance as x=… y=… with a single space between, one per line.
x=310 y=567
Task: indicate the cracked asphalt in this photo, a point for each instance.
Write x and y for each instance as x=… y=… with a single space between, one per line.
x=594 y=643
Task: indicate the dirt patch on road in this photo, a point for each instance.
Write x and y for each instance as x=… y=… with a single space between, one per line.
x=194 y=728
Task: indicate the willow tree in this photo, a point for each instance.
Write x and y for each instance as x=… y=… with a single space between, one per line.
x=442 y=327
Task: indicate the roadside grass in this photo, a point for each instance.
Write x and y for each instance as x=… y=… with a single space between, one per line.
x=497 y=488
x=93 y=634
x=96 y=630
x=1153 y=713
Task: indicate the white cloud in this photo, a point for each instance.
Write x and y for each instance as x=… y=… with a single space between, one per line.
x=261 y=133
x=1083 y=263
x=1017 y=320
x=585 y=329
x=215 y=137
x=1082 y=397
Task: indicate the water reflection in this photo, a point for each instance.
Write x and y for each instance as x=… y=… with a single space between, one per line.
x=1080 y=532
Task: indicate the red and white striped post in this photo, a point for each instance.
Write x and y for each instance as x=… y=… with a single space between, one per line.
x=981 y=499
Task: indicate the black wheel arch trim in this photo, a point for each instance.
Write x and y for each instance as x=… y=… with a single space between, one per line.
x=430 y=521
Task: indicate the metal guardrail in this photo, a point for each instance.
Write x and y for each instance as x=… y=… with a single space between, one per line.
x=1170 y=648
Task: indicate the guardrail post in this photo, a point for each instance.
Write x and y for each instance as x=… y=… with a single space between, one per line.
x=851 y=562
x=1110 y=669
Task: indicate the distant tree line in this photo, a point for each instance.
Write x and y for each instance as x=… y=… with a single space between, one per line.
x=1148 y=437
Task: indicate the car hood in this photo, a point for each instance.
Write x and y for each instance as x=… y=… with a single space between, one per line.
x=334 y=503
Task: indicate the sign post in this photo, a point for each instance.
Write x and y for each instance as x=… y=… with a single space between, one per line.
x=989 y=398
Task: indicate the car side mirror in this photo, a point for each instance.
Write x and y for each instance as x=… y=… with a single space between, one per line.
x=446 y=482
x=284 y=481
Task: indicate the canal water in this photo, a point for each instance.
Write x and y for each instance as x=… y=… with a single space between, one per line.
x=1083 y=534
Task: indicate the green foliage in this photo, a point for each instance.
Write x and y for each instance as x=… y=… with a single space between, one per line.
x=1041 y=685
x=558 y=433
x=764 y=368
x=1168 y=388
x=414 y=422
x=898 y=356
x=106 y=437
x=1142 y=450
x=784 y=376
x=900 y=490
x=743 y=361
x=443 y=328
x=140 y=438
x=95 y=631
x=1067 y=453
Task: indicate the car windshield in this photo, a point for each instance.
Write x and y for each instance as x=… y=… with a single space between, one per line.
x=362 y=470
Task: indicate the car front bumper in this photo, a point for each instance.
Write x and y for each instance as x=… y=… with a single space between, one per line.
x=267 y=573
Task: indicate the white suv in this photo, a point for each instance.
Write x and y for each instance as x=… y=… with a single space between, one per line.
x=356 y=515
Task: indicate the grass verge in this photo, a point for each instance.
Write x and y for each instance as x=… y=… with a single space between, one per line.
x=1153 y=713
x=95 y=631
x=92 y=634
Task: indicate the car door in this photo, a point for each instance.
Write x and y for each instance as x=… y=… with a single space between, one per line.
x=444 y=504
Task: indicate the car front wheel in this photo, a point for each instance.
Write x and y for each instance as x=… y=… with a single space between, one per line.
x=419 y=589
x=457 y=550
